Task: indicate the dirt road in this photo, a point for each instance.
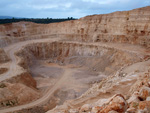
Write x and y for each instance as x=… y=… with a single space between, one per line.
x=45 y=98
x=15 y=69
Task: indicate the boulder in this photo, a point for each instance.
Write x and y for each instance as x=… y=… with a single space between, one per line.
x=144 y=92
x=144 y=105
x=103 y=102
x=86 y=108
x=95 y=109
x=73 y=111
x=112 y=111
x=118 y=103
x=148 y=99
x=134 y=98
x=131 y=110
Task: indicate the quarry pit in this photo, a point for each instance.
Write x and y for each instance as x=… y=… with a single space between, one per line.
x=57 y=68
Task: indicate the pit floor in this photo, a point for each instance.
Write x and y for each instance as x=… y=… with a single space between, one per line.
x=76 y=80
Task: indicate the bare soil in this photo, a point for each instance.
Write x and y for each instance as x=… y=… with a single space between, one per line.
x=74 y=85
x=3 y=70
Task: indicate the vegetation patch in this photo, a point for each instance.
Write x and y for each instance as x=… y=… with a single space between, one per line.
x=2 y=85
x=135 y=105
x=36 y=20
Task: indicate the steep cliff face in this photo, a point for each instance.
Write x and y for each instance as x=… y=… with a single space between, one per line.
x=95 y=57
x=118 y=26
x=124 y=27
x=21 y=31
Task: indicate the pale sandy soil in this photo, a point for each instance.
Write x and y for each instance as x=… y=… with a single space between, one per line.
x=65 y=82
x=75 y=84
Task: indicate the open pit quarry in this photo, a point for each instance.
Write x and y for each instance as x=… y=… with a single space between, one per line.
x=96 y=64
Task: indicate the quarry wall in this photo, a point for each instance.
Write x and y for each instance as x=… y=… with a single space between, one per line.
x=122 y=27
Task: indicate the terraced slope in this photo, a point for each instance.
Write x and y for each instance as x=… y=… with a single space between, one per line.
x=74 y=63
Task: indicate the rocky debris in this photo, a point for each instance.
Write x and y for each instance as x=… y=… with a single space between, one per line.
x=134 y=98
x=137 y=102
x=95 y=109
x=148 y=98
x=131 y=110
x=144 y=105
x=117 y=104
x=86 y=108
x=144 y=92
x=112 y=111
x=73 y=111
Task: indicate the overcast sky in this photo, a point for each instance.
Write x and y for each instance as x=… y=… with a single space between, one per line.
x=65 y=8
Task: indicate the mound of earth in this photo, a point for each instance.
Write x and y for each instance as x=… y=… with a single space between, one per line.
x=16 y=94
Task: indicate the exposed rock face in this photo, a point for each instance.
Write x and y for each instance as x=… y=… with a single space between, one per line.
x=144 y=106
x=95 y=57
x=118 y=103
x=141 y=104
x=85 y=108
x=124 y=27
x=79 y=46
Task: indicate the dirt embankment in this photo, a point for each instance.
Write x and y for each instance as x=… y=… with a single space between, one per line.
x=18 y=90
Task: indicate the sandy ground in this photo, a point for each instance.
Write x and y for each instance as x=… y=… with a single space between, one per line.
x=63 y=82
x=74 y=85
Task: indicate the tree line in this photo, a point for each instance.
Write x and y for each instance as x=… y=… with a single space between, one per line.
x=36 y=20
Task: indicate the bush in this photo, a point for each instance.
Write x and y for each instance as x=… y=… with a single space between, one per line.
x=2 y=85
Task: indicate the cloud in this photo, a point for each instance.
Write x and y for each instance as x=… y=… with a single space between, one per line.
x=65 y=8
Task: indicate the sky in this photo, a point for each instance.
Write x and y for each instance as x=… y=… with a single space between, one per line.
x=65 y=8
